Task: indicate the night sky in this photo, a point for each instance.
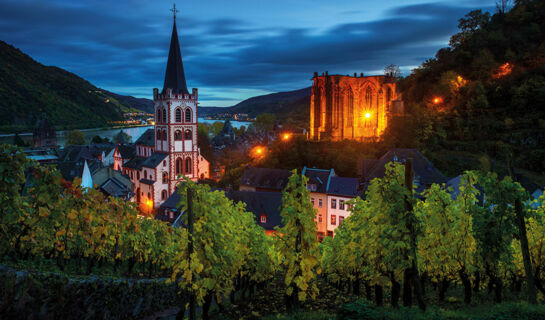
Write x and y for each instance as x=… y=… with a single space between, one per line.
x=234 y=49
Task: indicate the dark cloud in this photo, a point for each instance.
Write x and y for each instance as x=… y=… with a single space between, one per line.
x=119 y=49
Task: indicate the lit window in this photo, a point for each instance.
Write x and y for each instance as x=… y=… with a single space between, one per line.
x=320 y=203
x=333 y=204
x=171 y=215
x=341 y=204
x=263 y=218
x=333 y=220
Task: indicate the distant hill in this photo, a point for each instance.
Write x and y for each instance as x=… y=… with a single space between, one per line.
x=29 y=90
x=136 y=103
x=291 y=104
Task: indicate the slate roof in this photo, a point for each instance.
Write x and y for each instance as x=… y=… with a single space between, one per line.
x=175 y=76
x=71 y=169
x=147 y=138
x=265 y=178
x=113 y=187
x=135 y=163
x=268 y=203
x=97 y=149
x=127 y=151
x=147 y=181
x=319 y=177
x=75 y=153
x=341 y=186
x=256 y=202
x=424 y=170
x=154 y=160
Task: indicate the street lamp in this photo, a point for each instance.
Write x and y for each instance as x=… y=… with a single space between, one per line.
x=367 y=115
x=286 y=136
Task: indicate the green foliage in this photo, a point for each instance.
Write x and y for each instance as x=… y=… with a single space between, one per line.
x=298 y=245
x=34 y=295
x=265 y=122
x=75 y=137
x=225 y=236
x=30 y=90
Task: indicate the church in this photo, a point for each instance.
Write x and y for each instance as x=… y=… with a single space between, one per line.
x=169 y=151
x=353 y=108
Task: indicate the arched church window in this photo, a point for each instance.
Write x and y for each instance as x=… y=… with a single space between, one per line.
x=165 y=177
x=159 y=135
x=178 y=115
x=164 y=135
x=188 y=135
x=187 y=115
x=164 y=115
x=163 y=195
x=178 y=135
x=350 y=103
x=188 y=165
x=158 y=115
x=368 y=96
x=179 y=165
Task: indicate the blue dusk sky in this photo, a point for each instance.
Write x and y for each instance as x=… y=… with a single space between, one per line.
x=232 y=50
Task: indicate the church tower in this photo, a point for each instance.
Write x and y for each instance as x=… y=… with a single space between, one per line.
x=176 y=120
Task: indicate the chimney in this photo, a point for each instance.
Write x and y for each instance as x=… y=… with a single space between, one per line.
x=326 y=73
x=361 y=74
x=355 y=75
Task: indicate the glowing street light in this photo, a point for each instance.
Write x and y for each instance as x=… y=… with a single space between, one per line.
x=437 y=100
x=367 y=115
x=286 y=136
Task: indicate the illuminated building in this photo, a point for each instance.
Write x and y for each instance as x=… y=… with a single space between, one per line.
x=355 y=108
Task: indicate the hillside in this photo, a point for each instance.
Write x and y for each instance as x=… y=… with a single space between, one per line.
x=480 y=101
x=291 y=104
x=30 y=89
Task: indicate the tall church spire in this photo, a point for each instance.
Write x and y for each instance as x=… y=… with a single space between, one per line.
x=175 y=76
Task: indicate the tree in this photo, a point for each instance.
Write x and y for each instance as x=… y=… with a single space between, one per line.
x=122 y=138
x=298 y=245
x=75 y=137
x=392 y=70
x=265 y=122
x=97 y=139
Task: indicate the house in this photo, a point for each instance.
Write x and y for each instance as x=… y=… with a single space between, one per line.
x=424 y=172
x=318 y=184
x=264 y=179
x=122 y=154
x=265 y=206
x=341 y=190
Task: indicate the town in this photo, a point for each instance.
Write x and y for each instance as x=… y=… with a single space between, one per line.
x=331 y=202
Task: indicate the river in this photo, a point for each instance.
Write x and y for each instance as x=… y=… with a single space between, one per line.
x=134 y=132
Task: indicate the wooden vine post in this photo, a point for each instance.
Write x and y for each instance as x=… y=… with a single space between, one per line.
x=412 y=230
x=190 y=222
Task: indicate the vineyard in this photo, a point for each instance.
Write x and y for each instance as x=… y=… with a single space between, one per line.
x=396 y=244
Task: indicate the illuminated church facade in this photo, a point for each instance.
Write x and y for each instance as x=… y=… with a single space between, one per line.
x=351 y=107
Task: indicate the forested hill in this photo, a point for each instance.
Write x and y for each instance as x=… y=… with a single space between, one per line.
x=29 y=89
x=290 y=104
x=483 y=97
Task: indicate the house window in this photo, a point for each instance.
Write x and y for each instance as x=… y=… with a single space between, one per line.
x=178 y=135
x=164 y=163
x=171 y=215
x=188 y=135
x=330 y=233
x=165 y=177
x=137 y=175
x=187 y=115
x=178 y=115
x=333 y=204
x=179 y=164
x=320 y=203
x=263 y=218
x=164 y=115
x=341 y=219
x=319 y=218
x=311 y=186
x=341 y=204
x=312 y=201
x=188 y=165
x=333 y=220
x=163 y=195
x=145 y=174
